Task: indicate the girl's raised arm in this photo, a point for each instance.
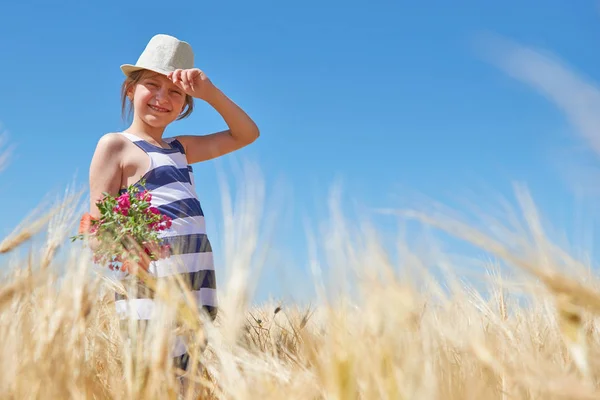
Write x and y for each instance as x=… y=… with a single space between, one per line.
x=242 y=129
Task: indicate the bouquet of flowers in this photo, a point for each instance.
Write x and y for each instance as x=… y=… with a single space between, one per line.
x=127 y=231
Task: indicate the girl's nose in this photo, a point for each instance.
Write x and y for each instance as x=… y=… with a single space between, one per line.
x=162 y=93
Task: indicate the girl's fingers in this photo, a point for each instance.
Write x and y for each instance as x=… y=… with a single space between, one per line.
x=176 y=75
x=184 y=78
x=185 y=84
x=189 y=74
x=196 y=77
x=189 y=78
x=177 y=79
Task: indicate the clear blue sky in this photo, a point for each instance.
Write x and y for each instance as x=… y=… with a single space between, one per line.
x=390 y=97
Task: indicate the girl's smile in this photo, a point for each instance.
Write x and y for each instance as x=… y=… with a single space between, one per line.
x=159 y=109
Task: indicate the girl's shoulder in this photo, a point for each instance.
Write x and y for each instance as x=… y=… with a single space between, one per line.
x=111 y=139
x=110 y=146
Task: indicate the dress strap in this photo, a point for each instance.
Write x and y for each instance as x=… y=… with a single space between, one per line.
x=139 y=142
x=174 y=145
x=130 y=136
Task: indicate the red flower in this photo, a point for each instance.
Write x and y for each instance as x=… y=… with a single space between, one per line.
x=167 y=221
x=85 y=223
x=144 y=196
x=123 y=204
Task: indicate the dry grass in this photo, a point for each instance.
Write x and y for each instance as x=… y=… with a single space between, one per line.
x=391 y=336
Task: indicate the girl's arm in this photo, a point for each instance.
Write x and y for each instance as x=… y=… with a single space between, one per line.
x=242 y=129
x=105 y=171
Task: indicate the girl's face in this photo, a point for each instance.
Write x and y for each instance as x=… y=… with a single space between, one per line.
x=157 y=101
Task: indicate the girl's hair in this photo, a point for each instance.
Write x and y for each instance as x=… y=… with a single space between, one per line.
x=133 y=79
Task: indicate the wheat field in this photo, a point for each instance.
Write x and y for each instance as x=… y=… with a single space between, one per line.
x=529 y=331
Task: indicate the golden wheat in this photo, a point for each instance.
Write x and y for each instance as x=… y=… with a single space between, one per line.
x=387 y=332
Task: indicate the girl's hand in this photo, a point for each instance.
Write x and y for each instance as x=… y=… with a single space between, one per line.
x=194 y=82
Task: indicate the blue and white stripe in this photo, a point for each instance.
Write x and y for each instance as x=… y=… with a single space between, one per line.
x=170 y=180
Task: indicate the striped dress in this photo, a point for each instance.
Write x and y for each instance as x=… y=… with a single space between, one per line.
x=170 y=180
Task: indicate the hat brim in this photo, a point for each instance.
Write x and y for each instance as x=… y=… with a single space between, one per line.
x=127 y=69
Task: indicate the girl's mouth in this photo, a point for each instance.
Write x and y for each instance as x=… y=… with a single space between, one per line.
x=158 y=109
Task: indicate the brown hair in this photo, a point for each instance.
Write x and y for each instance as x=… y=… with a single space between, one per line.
x=133 y=79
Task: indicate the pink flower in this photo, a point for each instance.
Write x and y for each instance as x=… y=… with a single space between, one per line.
x=144 y=196
x=154 y=210
x=124 y=201
x=167 y=221
x=119 y=210
x=123 y=204
x=164 y=223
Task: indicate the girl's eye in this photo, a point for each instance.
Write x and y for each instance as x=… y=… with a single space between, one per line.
x=176 y=92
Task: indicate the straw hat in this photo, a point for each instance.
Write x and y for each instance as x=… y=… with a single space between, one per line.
x=163 y=54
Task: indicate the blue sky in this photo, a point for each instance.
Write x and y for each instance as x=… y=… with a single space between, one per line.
x=388 y=97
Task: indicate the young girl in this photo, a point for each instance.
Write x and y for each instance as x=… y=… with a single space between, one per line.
x=160 y=88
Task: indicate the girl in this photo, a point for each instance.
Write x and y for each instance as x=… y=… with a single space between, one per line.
x=160 y=89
